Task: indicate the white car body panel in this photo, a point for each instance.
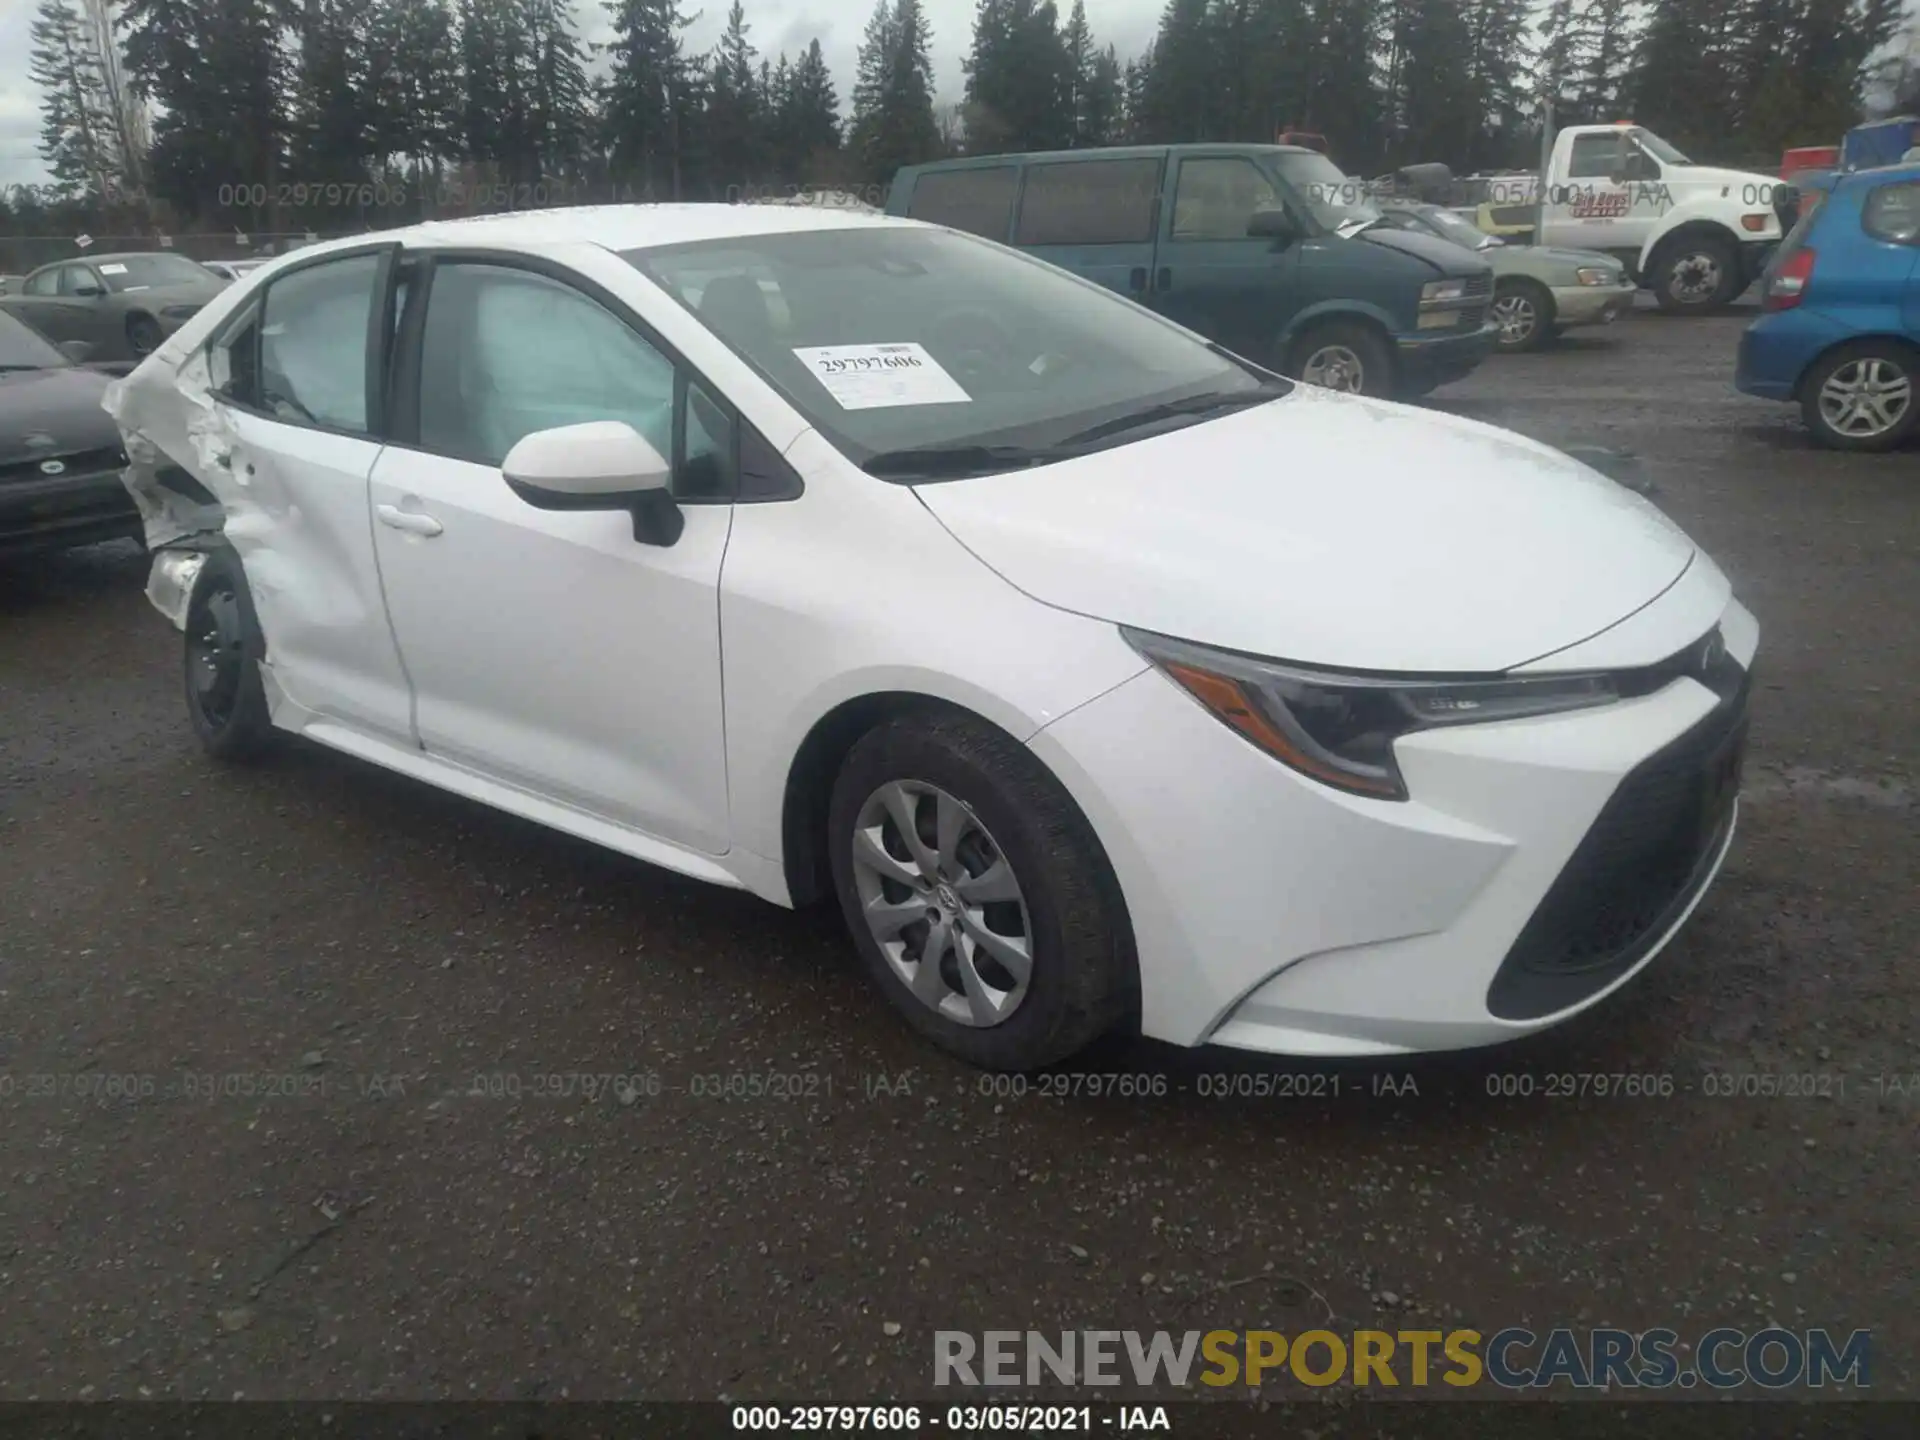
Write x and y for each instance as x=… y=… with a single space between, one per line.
x=1189 y=535
x=653 y=698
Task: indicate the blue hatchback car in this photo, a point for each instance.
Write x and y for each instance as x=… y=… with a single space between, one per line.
x=1841 y=330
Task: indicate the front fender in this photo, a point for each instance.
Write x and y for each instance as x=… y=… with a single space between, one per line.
x=1722 y=212
x=1338 y=308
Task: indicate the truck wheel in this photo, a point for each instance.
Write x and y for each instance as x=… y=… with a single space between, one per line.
x=1342 y=356
x=1696 y=276
x=1862 y=397
x=1523 y=309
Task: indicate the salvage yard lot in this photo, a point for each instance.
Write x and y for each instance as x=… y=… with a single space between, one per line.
x=417 y=1174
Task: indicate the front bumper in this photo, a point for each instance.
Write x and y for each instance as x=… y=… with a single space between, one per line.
x=55 y=512
x=1776 y=349
x=1429 y=360
x=1274 y=914
x=1592 y=304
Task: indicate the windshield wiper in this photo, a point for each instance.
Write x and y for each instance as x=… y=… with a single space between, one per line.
x=1347 y=229
x=26 y=367
x=952 y=462
x=1193 y=405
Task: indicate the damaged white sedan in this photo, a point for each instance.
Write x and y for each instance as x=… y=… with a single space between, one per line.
x=1105 y=679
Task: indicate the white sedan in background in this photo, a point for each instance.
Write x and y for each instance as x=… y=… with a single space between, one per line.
x=1103 y=678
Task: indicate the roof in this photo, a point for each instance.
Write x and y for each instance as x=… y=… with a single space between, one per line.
x=1111 y=152
x=92 y=259
x=636 y=227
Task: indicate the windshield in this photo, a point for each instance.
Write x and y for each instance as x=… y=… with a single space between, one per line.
x=910 y=338
x=1336 y=199
x=1456 y=228
x=22 y=348
x=141 y=272
x=1658 y=148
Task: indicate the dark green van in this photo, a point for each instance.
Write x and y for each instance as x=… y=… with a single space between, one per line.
x=1267 y=249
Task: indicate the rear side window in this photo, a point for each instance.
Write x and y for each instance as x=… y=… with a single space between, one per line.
x=1089 y=202
x=1892 y=212
x=44 y=283
x=979 y=202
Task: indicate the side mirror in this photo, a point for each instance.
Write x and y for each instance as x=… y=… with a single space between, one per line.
x=89 y=292
x=78 y=351
x=600 y=465
x=1272 y=222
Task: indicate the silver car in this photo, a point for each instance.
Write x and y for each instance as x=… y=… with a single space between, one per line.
x=1538 y=290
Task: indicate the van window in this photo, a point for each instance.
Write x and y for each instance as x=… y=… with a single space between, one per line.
x=1216 y=198
x=979 y=202
x=1089 y=202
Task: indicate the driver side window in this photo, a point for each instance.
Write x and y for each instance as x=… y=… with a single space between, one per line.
x=1216 y=198
x=79 y=280
x=1593 y=157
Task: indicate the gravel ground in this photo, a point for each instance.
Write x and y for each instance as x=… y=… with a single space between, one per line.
x=398 y=1209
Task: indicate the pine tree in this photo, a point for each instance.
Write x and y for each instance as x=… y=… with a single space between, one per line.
x=1180 y=95
x=893 y=122
x=76 y=127
x=646 y=86
x=1343 y=86
x=557 y=110
x=1102 y=117
x=811 y=122
x=334 y=119
x=1077 y=40
x=734 y=120
x=413 y=85
x=1020 y=85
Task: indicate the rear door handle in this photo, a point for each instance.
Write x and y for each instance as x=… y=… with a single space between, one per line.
x=1166 y=277
x=407 y=520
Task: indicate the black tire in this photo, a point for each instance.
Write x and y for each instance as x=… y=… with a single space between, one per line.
x=1082 y=973
x=1697 y=275
x=1893 y=362
x=1377 y=371
x=1532 y=312
x=220 y=663
x=144 y=335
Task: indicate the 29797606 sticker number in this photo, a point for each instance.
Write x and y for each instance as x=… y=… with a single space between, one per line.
x=784 y=1419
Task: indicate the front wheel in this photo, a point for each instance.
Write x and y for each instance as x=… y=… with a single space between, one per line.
x=143 y=335
x=1861 y=397
x=1523 y=309
x=1696 y=276
x=976 y=893
x=226 y=702
x=1342 y=356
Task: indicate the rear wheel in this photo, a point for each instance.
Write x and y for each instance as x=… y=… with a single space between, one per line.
x=1523 y=309
x=976 y=893
x=1861 y=397
x=226 y=702
x=1696 y=275
x=1342 y=356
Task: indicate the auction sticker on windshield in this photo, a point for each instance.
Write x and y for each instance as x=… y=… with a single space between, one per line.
x=868 y=377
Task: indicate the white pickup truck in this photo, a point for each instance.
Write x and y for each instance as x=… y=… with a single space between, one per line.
x=1695 y=234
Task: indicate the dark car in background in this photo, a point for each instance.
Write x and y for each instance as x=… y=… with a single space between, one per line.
x=121 y=305
x=1269 y=250
x=60 y=452
x=1840 y=332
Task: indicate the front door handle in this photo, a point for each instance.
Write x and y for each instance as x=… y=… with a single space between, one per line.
x=1137 y=278
x=408 y=520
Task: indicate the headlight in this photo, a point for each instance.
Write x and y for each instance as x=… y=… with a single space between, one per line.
x=1438 y=292
x=1340 y=729
x=1599 y=275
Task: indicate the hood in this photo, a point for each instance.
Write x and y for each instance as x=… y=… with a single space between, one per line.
x=183 y=292
x=1446 y=257
x=1714 y=175
x=62 y=405
x=1329 y=530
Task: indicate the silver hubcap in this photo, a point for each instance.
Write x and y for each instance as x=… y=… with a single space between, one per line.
x=942 y=903
x=1696 y=276
x=1865 y=397
x=1516 y=317
x=1336 y=367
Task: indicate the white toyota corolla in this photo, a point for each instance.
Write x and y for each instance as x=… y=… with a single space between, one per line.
x=1103 y=677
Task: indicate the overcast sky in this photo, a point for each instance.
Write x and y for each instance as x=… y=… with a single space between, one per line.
x=775 y=25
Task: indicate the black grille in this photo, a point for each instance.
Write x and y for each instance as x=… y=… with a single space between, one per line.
x=84 y=462
x=1473 y=317
x=1640 y=864
x=1479 y=285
